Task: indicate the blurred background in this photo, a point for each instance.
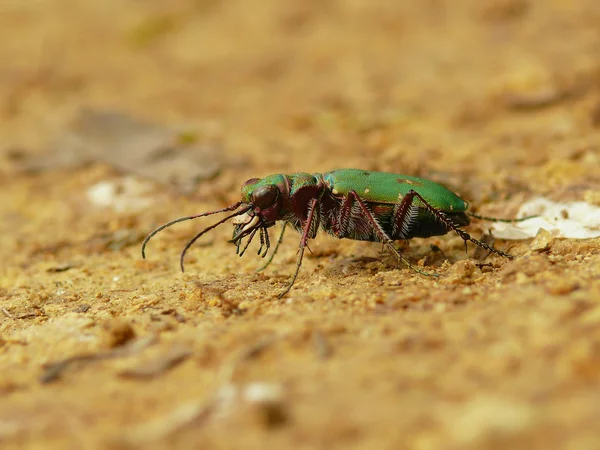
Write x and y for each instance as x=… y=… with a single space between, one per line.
x=287 y=86
x=117 y=115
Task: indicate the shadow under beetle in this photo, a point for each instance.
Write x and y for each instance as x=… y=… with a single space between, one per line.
x=346 y=203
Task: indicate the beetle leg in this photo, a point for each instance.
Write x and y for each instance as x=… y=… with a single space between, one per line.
x=264 y=241
x=349 y=222
x=285 y=224
x=450 y=225
x=340 y=225
x=248 y=241
x=383 y=237
x=308 y=226
x=404 y=214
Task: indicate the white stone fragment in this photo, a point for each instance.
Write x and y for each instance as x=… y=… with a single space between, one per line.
x=127 y=194
x=575 y=220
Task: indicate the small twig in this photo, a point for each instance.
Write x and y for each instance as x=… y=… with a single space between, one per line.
x=322 y=346
x=53 y=371
x=157 y=366
x=192 y=413
x=7 y=313
x=27 y=316
x=249 y=352
x=60 y=268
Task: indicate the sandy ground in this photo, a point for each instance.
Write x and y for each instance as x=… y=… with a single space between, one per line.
x=498 y=100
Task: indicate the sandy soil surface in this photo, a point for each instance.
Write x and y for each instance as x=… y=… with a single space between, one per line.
x=498 y=100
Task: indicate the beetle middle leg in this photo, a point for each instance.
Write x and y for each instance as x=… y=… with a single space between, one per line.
x=309 y=226
x=279 y=241
x=384 y=238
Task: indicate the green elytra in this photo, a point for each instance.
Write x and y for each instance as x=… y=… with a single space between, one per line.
x=346 y=203
x=382 y=187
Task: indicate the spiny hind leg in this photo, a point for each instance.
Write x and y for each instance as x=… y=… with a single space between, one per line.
x=382 y=235
x=450 y=226
x=404 y=213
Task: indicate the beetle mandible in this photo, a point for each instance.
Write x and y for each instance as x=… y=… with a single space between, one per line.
x=346 y=203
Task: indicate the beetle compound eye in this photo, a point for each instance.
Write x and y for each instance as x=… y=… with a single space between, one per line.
x=265 y=196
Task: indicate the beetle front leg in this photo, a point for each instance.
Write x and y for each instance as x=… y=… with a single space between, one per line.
x=308 y=226
x=265 y=242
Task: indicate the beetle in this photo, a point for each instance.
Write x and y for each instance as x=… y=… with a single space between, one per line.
x=346 y=203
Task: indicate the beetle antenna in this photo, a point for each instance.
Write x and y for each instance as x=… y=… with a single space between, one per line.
x=195 y=238
x=182 y=219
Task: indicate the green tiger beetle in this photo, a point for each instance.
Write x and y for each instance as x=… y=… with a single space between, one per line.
x=346 y=203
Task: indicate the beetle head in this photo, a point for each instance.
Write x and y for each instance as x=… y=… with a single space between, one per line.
x=265 y=197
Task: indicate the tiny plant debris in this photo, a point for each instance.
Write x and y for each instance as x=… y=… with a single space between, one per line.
x=346 y=203
x=54 y=370
x=574 y=220
x=133 y=146
x=155 y=367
